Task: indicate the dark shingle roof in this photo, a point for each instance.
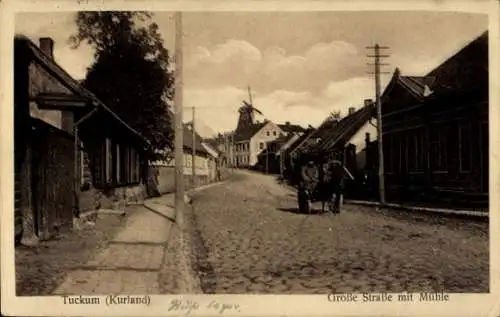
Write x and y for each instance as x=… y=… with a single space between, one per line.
x=344 y=130
x=246 y=133
x=291 y=128
x=188 y=140
x=465 y=70
x=299 y=142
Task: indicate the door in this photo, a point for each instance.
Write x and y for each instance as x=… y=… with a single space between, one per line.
x=53 y=182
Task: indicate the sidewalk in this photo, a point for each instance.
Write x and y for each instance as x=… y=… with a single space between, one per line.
x=131 y=262
x=147 y=256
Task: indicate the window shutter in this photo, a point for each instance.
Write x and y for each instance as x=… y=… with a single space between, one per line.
x=118 y=165
x=108 y=162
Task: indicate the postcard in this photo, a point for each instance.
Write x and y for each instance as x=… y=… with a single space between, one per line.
x=278 y=158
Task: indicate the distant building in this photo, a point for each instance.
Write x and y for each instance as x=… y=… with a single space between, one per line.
x=205 y=162
x=243 y=146
x=435 y=130
x=271 y=160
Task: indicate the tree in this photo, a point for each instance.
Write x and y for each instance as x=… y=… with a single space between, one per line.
x=334 y=116
x=131 y=73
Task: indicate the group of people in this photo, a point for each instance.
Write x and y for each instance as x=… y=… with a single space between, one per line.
x=324 y=181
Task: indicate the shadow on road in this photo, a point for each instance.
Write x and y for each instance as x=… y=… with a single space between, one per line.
x=314 y=211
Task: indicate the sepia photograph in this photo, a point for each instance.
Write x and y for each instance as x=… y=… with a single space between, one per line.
x=335 y=153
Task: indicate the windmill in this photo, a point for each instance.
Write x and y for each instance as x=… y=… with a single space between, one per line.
x=247 y=112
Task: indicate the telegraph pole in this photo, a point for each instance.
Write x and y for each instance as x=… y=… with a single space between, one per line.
x=193 y=154
x=377 y=56
x=179 y=142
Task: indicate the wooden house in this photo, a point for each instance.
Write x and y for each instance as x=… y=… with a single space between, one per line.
x=435 y=130
x=71 y=152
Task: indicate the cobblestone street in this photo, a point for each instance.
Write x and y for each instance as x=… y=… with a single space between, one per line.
x=249 y=238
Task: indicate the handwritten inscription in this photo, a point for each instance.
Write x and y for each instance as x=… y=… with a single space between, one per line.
x=188 y=306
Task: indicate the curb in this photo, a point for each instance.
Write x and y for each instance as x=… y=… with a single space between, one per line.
x=158 y=212
x=443 y=211
x=197 y=189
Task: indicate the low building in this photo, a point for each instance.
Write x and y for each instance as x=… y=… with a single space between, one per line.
x=271 y=160
x=435 y=130
x=64 y=165
x=162 y=175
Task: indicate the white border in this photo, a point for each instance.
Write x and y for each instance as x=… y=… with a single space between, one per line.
x=254 y=305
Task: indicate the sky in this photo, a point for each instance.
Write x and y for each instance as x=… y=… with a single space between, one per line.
x=300 y=65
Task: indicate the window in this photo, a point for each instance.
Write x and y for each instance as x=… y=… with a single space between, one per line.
x=402 y=153
x=420 y=151
x=274 y=133
x=85 y=177
x=465 y=148
x=415 y=152
x=118 y=169
x=268 y=133
x=109 y=161
x=387 y=144
x=114 y=164
x=261 y=145
x=438 y=149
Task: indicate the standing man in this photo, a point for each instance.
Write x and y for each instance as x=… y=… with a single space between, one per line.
x=309 y=178
x=336 y=174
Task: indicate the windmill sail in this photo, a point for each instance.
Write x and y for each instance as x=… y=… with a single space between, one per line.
x=247 y=112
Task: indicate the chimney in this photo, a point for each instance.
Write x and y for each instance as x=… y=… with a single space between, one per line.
x=368 y=102
x=287 y=123
x=47 y=46
x=351 y=110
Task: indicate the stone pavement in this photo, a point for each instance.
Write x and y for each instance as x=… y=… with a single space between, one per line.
x=253 y=240
x=131 y=263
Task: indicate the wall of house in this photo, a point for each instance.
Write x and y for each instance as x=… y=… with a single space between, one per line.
x=269 y=132
x=430 y=135
x=115 y=197
x=163 y=173
x=93 y=199
x=242 y=153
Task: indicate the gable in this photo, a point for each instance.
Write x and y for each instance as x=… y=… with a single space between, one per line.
x=273 y=129
x=398 y=97
x=41 y=81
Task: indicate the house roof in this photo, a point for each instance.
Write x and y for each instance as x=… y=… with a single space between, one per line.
x=416 y=84
x=247 y=132
x=187 y=139
x=214 y=152
x=465 y=70
x=290 y=128
x=22 y=43
x=304 y=137
x=345 y=129
x=321 y=132
x=213 y=142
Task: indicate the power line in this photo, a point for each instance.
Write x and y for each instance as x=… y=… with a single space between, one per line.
x=377 y=56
